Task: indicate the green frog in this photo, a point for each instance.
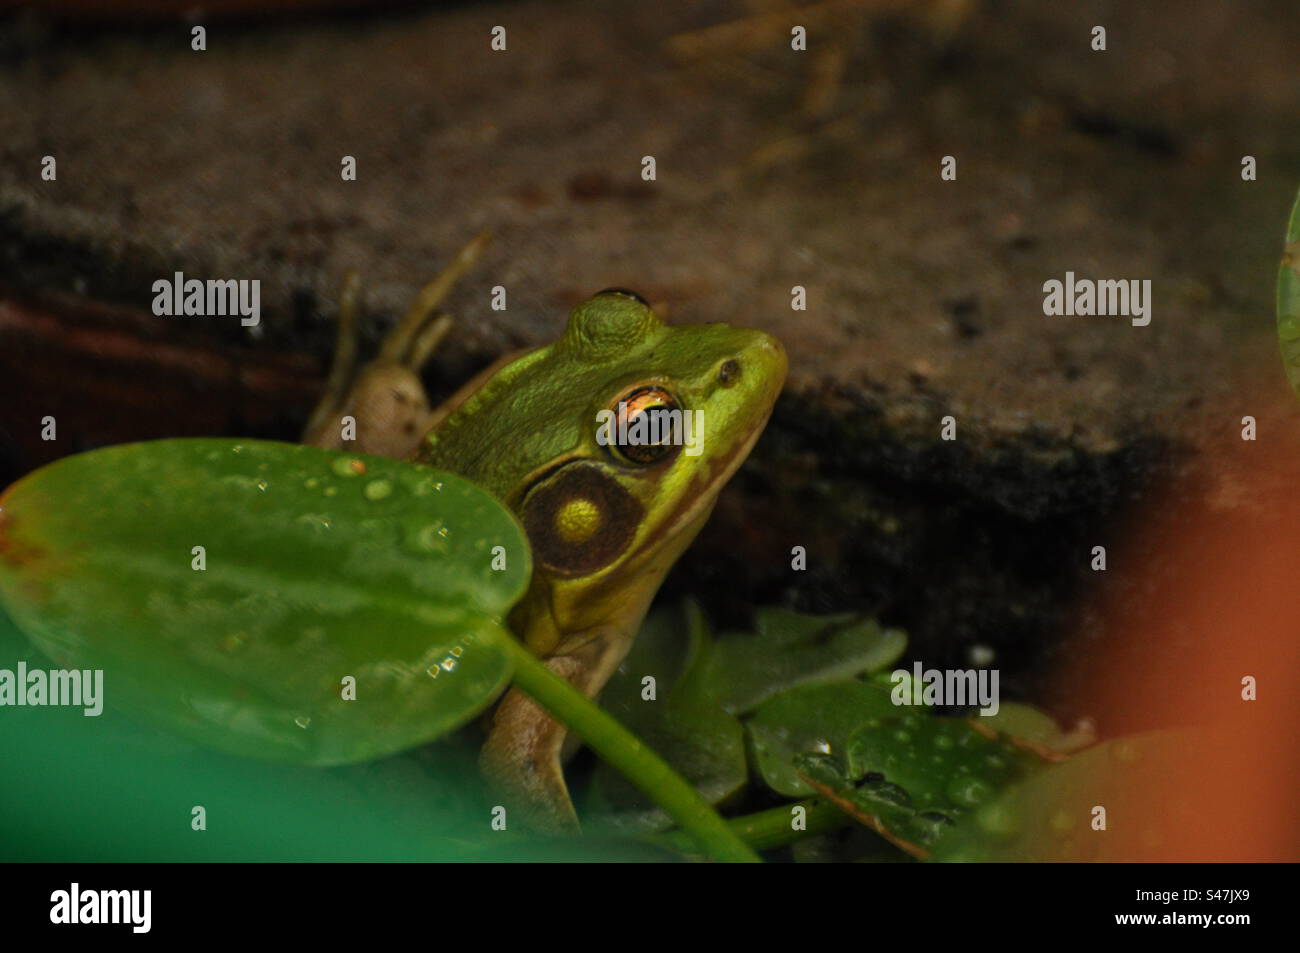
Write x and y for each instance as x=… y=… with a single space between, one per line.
x=559 y=434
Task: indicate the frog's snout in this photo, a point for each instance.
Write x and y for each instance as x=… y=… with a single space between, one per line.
x=760 y=363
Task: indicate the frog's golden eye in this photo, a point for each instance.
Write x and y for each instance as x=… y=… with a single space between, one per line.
x=626 y=294
x=729 y=372
x=646 y=426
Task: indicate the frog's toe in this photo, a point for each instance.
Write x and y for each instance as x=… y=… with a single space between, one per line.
x=426 y=341
x=423 y=326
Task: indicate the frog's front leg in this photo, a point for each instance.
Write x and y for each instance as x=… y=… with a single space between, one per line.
x=386 y=400
x=523 y=756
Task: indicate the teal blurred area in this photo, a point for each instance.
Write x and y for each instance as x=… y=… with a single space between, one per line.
x=108 y=788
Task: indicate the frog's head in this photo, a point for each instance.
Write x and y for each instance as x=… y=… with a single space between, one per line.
x=563 y=436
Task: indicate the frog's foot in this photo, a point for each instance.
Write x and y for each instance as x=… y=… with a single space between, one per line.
x=524 y=754
x=330 y=406
x=385 y=401
x=522 y=758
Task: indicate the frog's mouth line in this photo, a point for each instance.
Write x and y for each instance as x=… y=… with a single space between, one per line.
x=706 y=488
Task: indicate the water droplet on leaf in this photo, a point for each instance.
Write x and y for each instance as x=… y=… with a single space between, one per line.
x=378 y=489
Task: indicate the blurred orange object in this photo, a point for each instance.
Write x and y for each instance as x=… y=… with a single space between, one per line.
x=1209 y=615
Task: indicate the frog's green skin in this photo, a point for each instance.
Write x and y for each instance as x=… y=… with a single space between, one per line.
x=604 y=530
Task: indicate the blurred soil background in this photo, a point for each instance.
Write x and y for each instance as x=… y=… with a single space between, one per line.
x=775 y=168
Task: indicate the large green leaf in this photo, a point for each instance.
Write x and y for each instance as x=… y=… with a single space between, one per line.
x=110 y=788
x=319 y=566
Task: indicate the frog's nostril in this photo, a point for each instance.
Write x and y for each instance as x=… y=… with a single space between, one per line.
x=729 y=372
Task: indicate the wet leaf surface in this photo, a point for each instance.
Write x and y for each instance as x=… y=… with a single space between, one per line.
x=316 y=566
x=907 y=773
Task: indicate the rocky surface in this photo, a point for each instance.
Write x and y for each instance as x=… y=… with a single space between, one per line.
x=774 y=169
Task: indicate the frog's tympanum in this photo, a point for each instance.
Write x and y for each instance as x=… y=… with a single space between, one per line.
x=605 y=519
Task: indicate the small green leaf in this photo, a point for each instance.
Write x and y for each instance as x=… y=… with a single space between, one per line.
x=915 y=777
x=703 y=684
x=1030 y=724
x=688 y=729
x=315 y=566
x=811 y=719
x=1288 y=300
x=880 y=805
x=790 y=648
x=944 y=764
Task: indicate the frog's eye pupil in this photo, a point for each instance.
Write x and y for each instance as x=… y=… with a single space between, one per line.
x=729 y=372
x=626 y=294
x=645 y=430
x=645 y=453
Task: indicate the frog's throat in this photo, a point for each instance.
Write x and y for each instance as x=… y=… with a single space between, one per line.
x=560 y=614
